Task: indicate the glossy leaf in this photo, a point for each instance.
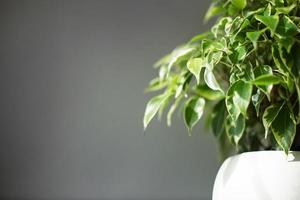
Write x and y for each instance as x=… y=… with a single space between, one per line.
x=238 y=98
x=172 y=110
x=195 y=65
x=162 y=108
x=261 y=71
x=177 y=54
x=256 y=100
x=284 y=129
x=278 y=61
x=210 y=80
x=193 y=112
x=241 y=52
x=235 y=128
x=207 y=93
x=251 y=52
x=153 y=106
x=269 y=115
x=267 y=79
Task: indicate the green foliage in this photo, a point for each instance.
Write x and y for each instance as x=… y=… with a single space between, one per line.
x=244 y=72
x=193 y=111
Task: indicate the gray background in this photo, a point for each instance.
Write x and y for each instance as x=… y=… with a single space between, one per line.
x=71 y=81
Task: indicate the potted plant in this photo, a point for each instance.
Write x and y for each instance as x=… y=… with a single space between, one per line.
x=245 y=74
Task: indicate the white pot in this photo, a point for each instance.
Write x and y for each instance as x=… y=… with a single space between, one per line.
x=261 y=175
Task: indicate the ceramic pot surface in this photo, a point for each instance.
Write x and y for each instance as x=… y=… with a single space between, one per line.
x=261 y=175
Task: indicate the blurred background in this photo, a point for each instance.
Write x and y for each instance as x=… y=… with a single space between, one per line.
x=72 y=76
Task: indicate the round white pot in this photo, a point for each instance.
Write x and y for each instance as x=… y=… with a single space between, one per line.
x=261 y=175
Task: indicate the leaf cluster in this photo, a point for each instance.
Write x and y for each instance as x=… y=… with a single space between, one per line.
x=244 y=73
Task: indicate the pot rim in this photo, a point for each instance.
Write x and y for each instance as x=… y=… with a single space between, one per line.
x=292 y=155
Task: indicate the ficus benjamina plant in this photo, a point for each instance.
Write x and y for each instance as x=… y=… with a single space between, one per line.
x=244 y=74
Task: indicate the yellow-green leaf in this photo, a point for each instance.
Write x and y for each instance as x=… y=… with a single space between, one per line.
x=195 y=65
x=267 y=79
x=253 y=37
x=239 y=4
x=270 y=22
x=212 y=11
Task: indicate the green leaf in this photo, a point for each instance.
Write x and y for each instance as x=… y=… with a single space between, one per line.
x=253 y=37
x=269 y=115
x=278 y=61
x=232 y=10
x=244 y=25
x=238 y=28
x=177 y=54
x=218 y=118
x=287 y=27
x=194 y=65
x=232 y=109
x=163 y=61
x=207 y=93
x=179 y=89
x=172 y=110
x=153 y=106
x=286 y=31
x=182 y=83
x=235 y=128
x=267 y=79
x=248 y=72
x=242 y=95
x=284 y=128
x=256 y=100
x=162 y=108
x=259 y=11
x=238 y=98
x=270 y=22
x=286 y=41
x=156 y=84
x=298 y=96
x=239 y=54
x=285 y=10
x=193 y=111
x=239 y=4
x=212 y=11
x=279 y=3
x=211 y=81
x=219 y=27
x=201 y=36
x=268 y=10
x=163 y=72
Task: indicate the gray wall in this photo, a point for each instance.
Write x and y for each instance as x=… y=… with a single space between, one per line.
x=72 y=75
